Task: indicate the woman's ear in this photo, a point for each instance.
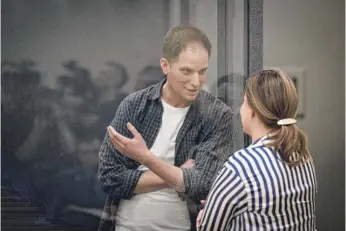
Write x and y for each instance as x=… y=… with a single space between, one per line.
x=252 y=114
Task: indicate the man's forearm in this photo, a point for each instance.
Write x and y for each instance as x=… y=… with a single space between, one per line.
x=149 y=182
x=172 y=175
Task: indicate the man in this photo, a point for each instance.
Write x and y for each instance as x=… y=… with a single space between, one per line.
x=181 y=138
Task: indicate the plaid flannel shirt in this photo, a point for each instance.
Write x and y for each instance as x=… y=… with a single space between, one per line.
x=205 y=136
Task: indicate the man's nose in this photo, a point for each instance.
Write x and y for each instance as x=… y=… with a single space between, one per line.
x=195 y=81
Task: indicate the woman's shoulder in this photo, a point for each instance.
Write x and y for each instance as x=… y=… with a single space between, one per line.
x=247 y=158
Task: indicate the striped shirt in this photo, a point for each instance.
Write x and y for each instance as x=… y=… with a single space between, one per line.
x=256 y=190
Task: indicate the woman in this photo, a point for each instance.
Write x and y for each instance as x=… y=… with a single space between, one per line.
x=270 y=185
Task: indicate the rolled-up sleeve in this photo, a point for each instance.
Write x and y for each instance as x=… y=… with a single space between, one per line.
x=115 y=176
x=210 y=156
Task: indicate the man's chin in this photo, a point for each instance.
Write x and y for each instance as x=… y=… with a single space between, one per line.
x=191 y=98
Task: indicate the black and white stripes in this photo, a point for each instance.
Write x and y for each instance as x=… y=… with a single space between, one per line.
x=256 y=190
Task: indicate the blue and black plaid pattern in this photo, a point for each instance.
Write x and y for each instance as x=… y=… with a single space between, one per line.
x=205 y=136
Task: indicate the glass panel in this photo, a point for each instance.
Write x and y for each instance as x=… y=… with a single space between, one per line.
x=224 y=23
x=67 y=65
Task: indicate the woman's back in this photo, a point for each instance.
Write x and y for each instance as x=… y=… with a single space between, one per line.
x=256 y=190
x=279 y=196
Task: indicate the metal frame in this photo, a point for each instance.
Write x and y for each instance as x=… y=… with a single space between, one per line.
x=222 y=38
x=254 y=44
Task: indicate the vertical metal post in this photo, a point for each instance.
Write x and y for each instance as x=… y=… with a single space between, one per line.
x=254 y=47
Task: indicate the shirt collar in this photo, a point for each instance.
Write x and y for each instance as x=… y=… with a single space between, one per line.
x=260 y=141
x=155 y=91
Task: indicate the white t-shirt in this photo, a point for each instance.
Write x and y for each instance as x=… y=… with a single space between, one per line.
x=162 y=209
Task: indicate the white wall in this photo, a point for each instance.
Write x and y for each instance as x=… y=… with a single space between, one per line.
x=310 y=34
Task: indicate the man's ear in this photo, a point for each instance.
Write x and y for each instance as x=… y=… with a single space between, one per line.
x=164 y=66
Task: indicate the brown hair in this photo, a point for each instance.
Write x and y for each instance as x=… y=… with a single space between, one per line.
x=179 y=37
x=273 y=96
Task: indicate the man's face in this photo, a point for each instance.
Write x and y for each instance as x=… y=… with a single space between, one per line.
x=187 y=74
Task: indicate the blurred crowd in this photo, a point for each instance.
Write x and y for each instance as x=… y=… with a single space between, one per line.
x=51 y=136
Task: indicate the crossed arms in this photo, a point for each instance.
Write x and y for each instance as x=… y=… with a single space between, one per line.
x=118 y=155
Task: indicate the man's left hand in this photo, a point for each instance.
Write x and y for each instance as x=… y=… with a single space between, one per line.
x=134 y=148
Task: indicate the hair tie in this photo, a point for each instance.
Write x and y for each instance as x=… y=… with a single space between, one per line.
x=287 y=121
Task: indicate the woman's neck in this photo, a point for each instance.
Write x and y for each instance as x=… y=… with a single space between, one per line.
x=259 y=132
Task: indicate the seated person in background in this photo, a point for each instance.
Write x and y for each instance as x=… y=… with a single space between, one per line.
x=270 y=185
